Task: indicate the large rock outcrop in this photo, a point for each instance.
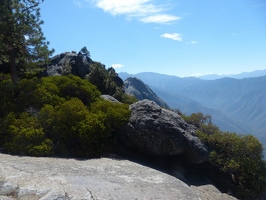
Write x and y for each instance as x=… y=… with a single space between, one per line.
x=27 y=178
x=134 y=86
x=158 y=131
x=69 y=63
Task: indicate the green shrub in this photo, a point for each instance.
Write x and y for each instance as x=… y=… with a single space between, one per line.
x=7 y=103
x=73 y=129
x=116 y=114
x=48 y=90
x=239 y=155
x=23 y=135
x=4 y=76
x=128 y=99
x=72 y=86
x=198 y=119
x=57 y=115
x=43 y=95
x=24 y=93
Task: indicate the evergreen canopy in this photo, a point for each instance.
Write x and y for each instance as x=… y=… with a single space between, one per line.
x=23 y=46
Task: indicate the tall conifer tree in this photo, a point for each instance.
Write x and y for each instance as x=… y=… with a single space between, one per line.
x=23 y=46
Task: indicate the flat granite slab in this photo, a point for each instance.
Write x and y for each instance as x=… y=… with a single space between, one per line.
x=28 y=178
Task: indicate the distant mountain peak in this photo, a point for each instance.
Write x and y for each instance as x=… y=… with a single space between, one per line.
x=134 y=86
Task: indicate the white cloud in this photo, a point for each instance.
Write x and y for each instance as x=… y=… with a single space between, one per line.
x=144 y=10
x=116 y=66
x=160 y=18
x=173 y=36
x=133 y=7
x=192 y=42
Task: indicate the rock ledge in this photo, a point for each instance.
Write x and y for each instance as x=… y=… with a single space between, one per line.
x=27 y=178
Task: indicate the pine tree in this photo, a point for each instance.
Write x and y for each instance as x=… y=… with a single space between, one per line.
x=23 y=46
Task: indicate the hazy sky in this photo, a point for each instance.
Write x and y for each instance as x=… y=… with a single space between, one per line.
x=176 y=37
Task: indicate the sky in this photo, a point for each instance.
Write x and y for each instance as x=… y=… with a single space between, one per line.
x=174 y=37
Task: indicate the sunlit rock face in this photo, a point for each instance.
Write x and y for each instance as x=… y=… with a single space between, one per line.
x=158 y=131
x=28 y=178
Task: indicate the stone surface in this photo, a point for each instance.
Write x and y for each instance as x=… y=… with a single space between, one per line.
x=69 y=63
x=135 y=87
x=209 y=192
x=158 y=131
x=27 y=178
x=110 y=98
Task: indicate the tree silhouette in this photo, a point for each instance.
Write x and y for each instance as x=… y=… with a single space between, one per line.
x=23 y=46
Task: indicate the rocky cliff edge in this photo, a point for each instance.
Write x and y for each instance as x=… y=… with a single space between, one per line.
x=27 y=178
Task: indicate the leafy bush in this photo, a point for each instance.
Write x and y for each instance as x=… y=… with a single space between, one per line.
x=57 y=116
x=238 y=155
x=241 y=156
x=23 y=135
x=4 y=76
x=116 y=115
x=72 y=86
x=7 y=103
x=128 y=99
x=72 y=128
x=77 y=131
x=198 y=119
x=35 y=93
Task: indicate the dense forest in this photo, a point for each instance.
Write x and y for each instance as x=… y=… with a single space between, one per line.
x=66 y=115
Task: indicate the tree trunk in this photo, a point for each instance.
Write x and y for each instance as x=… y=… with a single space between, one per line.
x=12 y=63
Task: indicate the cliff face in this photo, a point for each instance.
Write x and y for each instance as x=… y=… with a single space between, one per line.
x=134 y=86
x=53 y=179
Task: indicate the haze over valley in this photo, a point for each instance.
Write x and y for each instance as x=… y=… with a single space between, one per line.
x=237 y=105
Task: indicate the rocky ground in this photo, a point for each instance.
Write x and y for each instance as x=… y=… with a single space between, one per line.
x=27 y=178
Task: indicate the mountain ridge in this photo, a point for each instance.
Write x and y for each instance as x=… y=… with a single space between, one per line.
x=134 y=86
x=251 y=74
x=236 y=101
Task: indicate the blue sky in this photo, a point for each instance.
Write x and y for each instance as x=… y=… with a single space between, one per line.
x=175 y=37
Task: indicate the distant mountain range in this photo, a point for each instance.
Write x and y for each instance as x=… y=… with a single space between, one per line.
x=252 y=74
x=237 y=105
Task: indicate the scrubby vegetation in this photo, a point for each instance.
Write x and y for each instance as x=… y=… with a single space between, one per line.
x=238 y=156
x=60 y=115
